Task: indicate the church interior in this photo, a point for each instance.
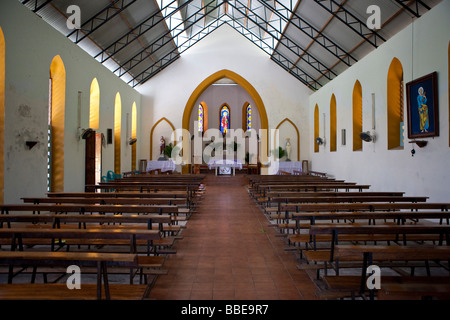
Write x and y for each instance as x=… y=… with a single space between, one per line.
x=224 y=150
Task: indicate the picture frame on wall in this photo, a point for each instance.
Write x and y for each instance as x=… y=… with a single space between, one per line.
x=423 y=107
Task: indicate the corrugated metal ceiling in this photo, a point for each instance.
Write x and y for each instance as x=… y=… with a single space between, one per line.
x=314 y=40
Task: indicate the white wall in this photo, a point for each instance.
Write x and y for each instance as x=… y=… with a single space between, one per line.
x=426 y=173
x=31 y=45
x=166 y=94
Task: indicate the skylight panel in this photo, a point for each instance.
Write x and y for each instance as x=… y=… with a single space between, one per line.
x=174 y=20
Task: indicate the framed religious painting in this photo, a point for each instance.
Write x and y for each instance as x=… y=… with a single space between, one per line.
x=423 y=107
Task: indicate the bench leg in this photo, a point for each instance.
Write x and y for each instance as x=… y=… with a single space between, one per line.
x=10 y=273
x=33 y=275
x=99 y=280
x=105 y=281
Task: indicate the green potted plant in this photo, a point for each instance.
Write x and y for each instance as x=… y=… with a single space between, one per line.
x=169 y=149
x=280 y=153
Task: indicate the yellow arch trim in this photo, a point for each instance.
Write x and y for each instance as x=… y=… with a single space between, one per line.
x=209 y=81
x=133 y=135
x=316 y=127
x=151 y=133
x=94 y=105
x=58 y=102
x=394 y=103
x=117 y=133
x=333 y=124
x=357 y=116
x=236 y=78
x=298 y=135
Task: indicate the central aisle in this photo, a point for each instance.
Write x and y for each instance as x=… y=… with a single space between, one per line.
x=229 y=253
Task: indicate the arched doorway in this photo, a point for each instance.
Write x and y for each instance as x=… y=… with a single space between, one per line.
x=191 y=105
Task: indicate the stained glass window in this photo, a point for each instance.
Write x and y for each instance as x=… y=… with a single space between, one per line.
x=200 y=118
x=249 y=117
x=224 y=119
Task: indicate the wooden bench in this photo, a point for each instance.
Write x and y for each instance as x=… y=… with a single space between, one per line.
x=391 y=286
x=17 y=234
x=368 y=206
x=59 y=291
x=104 y=200
x=53 y=220
x=327 y=257
x=337 y=229
x=101 y=209
x=370 y=216
x=87 y=208
x=370 y=254
x=100 y=260
x=282 y=202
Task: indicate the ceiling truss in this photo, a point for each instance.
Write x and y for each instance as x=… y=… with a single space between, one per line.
x=313 y=40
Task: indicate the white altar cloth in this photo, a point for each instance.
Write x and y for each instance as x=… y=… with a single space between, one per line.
x=289 y=166
x=224 y=165
x=162 y=165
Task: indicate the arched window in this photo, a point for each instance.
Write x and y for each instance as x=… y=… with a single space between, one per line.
x=246 y=117
x=249 y=117
x=202 y=117
x=357 y=116
x=316 y=127
x=57 y=98
x=94 y=105
x=395 y=105
x=133 y=135
x=117 y=133
x=333 y=124
x=224 y=119
x=2 y=113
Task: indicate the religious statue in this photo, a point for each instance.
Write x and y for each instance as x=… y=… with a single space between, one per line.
x=162 y=145
x=288 y=149
x=423 y=110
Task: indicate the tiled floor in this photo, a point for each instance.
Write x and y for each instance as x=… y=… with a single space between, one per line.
x=229 y=252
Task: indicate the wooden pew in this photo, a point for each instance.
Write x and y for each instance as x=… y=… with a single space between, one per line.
x=88 y=208
x=367 y=217
x=370 y=254
x=347 y=199
x=190 y=202
x=326 y=257
x=296 y=194
x=280 y=201
x=392 y=287
x=55 y=220
x=100 y=260
x=102 y=200
x=368 y=206
x=172 y=194
x=16 y=235
x=163 y=221
x=313 y=187
x=290 y=195
x=118 y=187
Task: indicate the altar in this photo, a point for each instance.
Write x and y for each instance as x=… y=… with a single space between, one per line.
x=224 y=166
x=289 y=166
x=164 y=166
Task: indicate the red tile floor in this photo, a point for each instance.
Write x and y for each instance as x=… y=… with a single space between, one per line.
x=228 y=252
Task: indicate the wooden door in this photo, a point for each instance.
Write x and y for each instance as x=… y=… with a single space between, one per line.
x=90 y=162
